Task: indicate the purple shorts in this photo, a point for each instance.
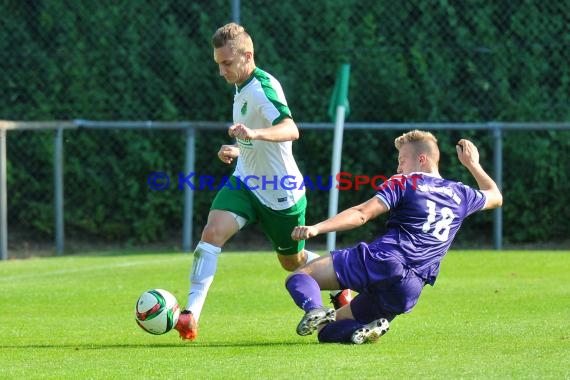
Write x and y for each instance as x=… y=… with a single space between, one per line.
x=385 y=286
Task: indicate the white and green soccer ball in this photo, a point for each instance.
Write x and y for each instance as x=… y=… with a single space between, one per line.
x=157 y=311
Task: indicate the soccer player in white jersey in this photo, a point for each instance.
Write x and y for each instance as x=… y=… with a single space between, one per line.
x=264 y=187
x=389 y=273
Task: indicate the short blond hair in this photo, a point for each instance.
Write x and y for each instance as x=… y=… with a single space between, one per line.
x=235 y=35
x=422 y=141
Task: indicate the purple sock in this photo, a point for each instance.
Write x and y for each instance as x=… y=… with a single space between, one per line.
x=339 y=331
x=305 y=291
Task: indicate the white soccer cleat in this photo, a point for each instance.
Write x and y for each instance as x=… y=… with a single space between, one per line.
x=371 y=332
x=314 y=318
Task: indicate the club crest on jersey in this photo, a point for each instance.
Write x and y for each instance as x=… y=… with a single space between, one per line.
x=244 y=108
x=245 y=143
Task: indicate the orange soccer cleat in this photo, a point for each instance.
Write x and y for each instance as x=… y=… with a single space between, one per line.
x=187 y=326
x=341 y=298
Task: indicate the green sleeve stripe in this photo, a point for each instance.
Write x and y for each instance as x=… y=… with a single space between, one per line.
x=269 y=91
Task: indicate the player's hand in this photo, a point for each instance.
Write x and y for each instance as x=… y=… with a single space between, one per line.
x=242 y=132
x=227 y=153
x=304 y=232
x=467 y=153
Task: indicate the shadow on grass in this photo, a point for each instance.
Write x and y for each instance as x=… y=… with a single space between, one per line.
x=78 y=347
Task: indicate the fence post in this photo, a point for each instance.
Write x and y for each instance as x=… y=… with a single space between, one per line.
x=188 y=192
x=498 y=174
x=58 y=191
x=3 y=198
x=235 y=11
x=338 y=110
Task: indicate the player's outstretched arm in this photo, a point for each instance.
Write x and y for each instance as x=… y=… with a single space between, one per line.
x=468 y=155
x=347 y=220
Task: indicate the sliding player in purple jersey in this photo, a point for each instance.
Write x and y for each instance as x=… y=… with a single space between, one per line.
x=425 y=213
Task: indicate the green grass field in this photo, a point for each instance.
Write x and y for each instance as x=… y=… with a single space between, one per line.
x=490 y=316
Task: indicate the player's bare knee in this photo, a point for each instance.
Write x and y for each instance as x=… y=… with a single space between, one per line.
x=289 y=267
x=214 y=235
x=290 y=263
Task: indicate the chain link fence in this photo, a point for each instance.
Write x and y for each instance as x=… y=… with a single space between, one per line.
x=411 y=61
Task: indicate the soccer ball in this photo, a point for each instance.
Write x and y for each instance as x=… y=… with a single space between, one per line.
x=157 y=311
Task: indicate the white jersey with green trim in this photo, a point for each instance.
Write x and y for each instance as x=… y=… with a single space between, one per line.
x=267 y=168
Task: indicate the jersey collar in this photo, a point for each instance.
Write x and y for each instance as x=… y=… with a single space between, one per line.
x=436 y=175
x=246 y=82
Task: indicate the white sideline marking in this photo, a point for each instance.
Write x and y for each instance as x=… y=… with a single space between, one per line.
x=84 y=269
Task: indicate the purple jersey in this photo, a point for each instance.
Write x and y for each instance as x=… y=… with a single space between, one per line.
x=425 y=214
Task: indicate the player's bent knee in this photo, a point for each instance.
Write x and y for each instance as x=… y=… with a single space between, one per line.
x=289 y=267
x=290 y=263
x=216 y=235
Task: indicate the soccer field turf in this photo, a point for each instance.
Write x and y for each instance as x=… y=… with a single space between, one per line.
x=489 y=315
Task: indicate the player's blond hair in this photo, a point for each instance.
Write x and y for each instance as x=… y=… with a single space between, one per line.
x=422 y=141
x=234 y=35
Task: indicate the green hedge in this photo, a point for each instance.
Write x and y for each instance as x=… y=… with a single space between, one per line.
x=152 y=60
